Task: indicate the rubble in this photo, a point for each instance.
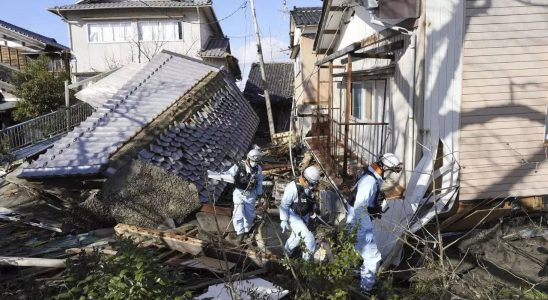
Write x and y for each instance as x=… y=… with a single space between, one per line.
x=144 y=195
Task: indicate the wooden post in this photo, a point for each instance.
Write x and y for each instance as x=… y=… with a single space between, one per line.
x=330 y=108
x=347 y=109
x=18 y=62
x=67 y=104
x=9 y=56
x=318 y=83
x=263 y=73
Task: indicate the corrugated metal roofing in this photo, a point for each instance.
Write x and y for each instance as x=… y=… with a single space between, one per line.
x=306 y=15
x=33 y=35
x=100 y=92
x=216 y=47
x=87 y=148
x=131 y=4
x=280 y=77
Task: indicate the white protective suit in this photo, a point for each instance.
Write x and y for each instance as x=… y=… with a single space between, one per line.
x=298 y=224
x=359 y=216
x=244 y=201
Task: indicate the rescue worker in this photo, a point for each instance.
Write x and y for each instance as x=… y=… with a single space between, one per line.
x=296 y=208
x=362 y=207
x=248 y=183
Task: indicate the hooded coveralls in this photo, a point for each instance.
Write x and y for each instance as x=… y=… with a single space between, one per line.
x=298 y=223
x=244 y=200
x=359 y=216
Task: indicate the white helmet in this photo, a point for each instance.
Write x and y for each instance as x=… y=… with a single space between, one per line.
x=254 y=155
x=390 y=161
x=312 y=174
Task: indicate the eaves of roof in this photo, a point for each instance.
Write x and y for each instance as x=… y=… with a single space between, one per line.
x=130 y=4
x=24 y=33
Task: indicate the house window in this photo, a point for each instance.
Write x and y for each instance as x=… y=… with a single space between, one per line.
x=109 y=32
x=160 y=31
x=362 y=100
x=357 y=100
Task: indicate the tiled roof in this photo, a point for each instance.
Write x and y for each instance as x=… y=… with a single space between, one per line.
x=216 y=47
x=306 y=15
x=97 y=4
x=33 y=35
x=214 y=138
x=216 y=134
x=6 y=72
x=280 y=82
x=101 y=91
x=87 y=148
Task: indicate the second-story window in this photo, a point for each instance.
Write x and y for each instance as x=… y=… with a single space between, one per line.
x=160 y=31
x=109 y=32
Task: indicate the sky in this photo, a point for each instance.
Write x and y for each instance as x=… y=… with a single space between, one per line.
x=273 y=16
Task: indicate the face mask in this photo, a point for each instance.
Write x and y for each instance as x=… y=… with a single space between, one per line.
x=252 y=163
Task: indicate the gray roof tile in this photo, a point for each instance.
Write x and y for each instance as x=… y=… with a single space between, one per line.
x=216 y=47
x=280 y=82
x=306 y=15
x=108 y=4
x=126 y=119
x=33 y=35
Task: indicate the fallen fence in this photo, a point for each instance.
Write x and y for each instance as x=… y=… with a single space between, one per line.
x=42 y=128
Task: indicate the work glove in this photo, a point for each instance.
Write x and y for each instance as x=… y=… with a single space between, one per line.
x=284 y=225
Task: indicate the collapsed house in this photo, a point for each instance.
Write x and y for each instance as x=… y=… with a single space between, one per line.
x=443 y=86
x=178 y=113
x=280 y=87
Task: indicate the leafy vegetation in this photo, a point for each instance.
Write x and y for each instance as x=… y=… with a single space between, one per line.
x=40 y=90
x=326 y=279
x=130 y=274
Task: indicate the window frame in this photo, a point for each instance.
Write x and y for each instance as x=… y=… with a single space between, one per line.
x=179 y=36
x=102 y=41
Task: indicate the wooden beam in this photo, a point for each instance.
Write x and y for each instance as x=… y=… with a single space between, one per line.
x=175 y=241
x=350 y=48
x=32 y=262
x=379 y=52
x=347 y=112
x=374 y=38
x=330 y=31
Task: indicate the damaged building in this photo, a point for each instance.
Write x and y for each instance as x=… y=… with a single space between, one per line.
x=175 y=112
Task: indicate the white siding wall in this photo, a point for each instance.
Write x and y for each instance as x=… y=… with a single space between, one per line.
x=505 y=95
x=443 y=72
x=99 y=57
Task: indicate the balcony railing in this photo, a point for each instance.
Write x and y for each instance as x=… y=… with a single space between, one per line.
x=43 y=128
x=346 y=147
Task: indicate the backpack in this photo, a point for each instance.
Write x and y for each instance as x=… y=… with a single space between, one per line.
x=305 y=203
x=375 y=208
x=244 y=180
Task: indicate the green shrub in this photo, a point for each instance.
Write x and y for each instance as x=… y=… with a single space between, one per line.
x=130 y=274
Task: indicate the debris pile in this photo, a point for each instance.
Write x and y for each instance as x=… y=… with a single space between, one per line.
x=144 y=195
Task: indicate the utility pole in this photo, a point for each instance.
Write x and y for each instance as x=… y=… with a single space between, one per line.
x=263 y=73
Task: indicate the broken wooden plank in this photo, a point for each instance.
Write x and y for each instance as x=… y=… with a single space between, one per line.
x=9 y=215
x=175 y=241
x=209 y=263
x=216 y=209
x=208 y=222
x=32 y=262
x=88 y=250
